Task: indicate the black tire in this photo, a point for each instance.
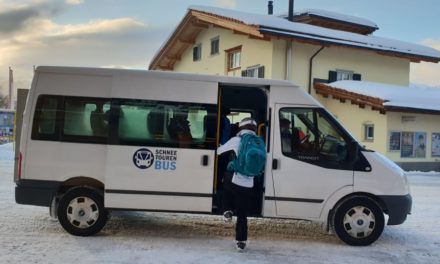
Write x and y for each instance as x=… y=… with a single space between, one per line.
x=358 y=221
x=81 y=211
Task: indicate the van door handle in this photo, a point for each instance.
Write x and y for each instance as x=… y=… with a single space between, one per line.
x=205 y=160
x=275 y=164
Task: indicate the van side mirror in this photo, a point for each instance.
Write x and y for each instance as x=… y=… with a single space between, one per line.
x=353 y=151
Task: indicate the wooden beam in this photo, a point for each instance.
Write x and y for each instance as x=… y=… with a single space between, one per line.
x=264 y=39
x=197 y=23
x=166 y=68
x=227 y=22
x=356 y=99
x=187 y=41
x=240 y=33
x=173 y=58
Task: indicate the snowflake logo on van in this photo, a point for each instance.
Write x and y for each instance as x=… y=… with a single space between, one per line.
x=143 y=158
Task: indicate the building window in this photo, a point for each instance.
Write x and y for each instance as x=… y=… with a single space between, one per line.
x=344 y=75
x=368 y=132
x=197 y=52
x=215 y=44
x=254 y=71
x=234 y=58
x=341 y=75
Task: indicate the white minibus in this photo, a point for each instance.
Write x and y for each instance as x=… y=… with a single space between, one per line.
x=95 y=140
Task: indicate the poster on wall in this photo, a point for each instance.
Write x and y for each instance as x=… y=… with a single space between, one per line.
x=435 y=145
x=407 y=146
x=394 y=140
x=420 y=145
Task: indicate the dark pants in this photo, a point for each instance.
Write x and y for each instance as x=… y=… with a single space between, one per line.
x=237 y=199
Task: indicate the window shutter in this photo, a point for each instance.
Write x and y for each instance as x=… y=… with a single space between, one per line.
x=356 y=77
x=261 y=72
x=244 y=73
x=332 y=76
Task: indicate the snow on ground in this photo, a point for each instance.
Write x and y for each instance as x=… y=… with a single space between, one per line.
x=29 y=235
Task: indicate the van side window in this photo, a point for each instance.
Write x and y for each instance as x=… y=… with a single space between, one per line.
x=45 y=118
x=132 y=122
x=309 y=135
x=85 y=120
x=166 y=124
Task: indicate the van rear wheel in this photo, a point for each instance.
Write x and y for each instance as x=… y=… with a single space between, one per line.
x=81 y=211
x=358 y=221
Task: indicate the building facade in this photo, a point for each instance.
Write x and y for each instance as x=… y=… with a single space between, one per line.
x=311 y=52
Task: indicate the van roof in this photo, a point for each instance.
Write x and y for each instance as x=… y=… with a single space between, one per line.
x=163 y=74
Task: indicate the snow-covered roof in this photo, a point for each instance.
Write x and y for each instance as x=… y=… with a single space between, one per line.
x=414 y=97
x=336 y=16
x=274 y=25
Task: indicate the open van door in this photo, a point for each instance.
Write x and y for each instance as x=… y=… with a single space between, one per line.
x=311 y=157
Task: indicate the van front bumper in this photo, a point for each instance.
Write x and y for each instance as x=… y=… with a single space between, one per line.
x=397 y=207
x=35 y=192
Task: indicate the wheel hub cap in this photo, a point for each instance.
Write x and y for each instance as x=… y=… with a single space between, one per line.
x=359 y=222
x=82 y=212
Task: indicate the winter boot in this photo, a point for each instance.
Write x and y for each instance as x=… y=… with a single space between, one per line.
x=240 y=245
x=227 y=216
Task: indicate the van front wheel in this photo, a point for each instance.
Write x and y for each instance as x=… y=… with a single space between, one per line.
x=358 y=221
x=81 y=211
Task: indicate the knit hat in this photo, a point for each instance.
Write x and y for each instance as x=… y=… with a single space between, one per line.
x=247 y=121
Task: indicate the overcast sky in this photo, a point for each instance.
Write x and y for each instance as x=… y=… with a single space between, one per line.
x=127 y=33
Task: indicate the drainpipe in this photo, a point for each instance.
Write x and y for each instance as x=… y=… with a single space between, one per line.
x=289 y=60
x=311 y=68
x=289 y=48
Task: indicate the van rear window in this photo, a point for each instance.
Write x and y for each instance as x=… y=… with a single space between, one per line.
x=45 y=118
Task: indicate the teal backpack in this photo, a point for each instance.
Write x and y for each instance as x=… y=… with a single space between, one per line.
x=251 y=156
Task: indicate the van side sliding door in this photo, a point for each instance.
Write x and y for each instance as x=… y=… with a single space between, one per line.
x=161 y=155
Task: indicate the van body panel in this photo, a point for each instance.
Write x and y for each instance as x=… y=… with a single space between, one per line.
x=385 y=178
x=171 y=175
x=66 y=160
x=164 y=90
x=157 y=202
x=90 y=160
x=26 y=126
x=74 y=85
x=332 y=200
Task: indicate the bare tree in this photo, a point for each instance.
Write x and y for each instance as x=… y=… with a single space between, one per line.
x=4 y=101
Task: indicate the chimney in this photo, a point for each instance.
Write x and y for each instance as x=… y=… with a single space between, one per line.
x=11 y=83
x=290 y=10
x=270 y=8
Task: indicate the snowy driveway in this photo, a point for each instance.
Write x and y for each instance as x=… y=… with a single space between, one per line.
x=29 y=235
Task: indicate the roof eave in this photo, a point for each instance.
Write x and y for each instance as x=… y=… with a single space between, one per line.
x=287 y=34
x=208 y=19
x=355 y=98
x=411 y=110
x=364 y=100
x=363 y=28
